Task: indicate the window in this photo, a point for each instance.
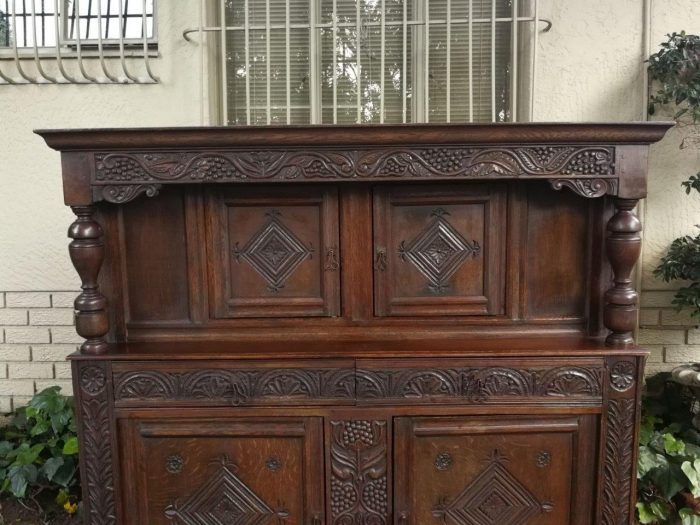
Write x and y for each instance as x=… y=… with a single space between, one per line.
x=34 y=23
x=374 y=61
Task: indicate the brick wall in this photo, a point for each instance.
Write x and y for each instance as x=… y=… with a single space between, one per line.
x=36 y=335
x=672 y=337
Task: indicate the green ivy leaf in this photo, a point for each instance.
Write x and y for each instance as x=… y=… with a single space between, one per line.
x=71 y=446
x=673 y=446
x=51 y=466
x=645 y=514
x=688 y=517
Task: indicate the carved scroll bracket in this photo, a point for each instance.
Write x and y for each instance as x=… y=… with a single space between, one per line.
x=87 y=253
x=624 y=244
x=589 y=188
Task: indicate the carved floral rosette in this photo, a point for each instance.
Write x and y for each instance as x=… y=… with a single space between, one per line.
x=587 y=170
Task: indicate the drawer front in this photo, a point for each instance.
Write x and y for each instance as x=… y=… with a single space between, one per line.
x=222 y=470
x=239 y=384
x=480 y=381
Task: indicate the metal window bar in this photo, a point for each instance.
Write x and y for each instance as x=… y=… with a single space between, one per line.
x=36 y=33
x=494 y=26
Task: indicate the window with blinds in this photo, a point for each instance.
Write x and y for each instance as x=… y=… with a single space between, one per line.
x=373 y=61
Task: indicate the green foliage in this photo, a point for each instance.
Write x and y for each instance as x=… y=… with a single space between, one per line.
x=668 y=465
x=38 y=449
x=676 y=70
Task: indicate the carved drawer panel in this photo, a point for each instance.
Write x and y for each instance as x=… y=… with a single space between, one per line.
x=225 y=471
x=245 y=384
x=469 y=382
x=439 y=251
x=495 y=470
x=275 y=252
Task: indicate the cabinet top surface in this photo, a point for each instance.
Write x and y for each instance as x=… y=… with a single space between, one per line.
x=353 y=135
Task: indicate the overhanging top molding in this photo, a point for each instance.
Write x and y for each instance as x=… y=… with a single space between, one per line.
x=118 y=165
x=134 y=139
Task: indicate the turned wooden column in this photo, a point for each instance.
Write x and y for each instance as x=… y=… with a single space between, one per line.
x=624 y=245
x=87 y=253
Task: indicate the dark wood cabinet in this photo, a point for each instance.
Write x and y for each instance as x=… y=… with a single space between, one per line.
x=357 y=325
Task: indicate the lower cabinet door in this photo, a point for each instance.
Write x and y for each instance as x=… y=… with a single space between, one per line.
x=495 y=470
x=222 y=472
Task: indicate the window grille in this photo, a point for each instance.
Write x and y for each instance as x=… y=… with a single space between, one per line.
x=38 y=36
x=376 y=61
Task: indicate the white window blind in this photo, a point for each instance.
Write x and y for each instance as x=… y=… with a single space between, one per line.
x=374 y=61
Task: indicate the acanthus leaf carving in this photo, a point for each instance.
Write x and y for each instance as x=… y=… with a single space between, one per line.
x=236 y=387
x=617 y=465
x=96 y=445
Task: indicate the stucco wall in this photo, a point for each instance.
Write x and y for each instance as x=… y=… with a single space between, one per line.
x=590 y=69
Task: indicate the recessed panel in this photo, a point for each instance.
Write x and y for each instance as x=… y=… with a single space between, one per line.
x=275 y=253
x=439 y=251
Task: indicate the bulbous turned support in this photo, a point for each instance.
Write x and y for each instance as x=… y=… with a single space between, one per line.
x=87 y=253
x=624 y=244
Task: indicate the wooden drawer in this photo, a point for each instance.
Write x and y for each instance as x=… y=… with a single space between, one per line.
x=243 y=383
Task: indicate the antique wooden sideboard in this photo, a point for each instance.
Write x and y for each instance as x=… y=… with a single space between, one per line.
x=357 y=325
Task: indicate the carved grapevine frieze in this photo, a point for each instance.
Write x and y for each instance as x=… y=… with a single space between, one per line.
x=237 y=387
x=96 y=445
x=359 y=492
x=223 y=499
x=438 y=251
x=495 y=496
x=120 y=170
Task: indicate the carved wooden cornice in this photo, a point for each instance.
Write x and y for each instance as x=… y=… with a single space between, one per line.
x=588 y=170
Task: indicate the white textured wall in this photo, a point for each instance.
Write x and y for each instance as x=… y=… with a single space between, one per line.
x=590 y=69
x=33 y=219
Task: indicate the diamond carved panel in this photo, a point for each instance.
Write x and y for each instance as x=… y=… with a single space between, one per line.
x=438 y=251
x=223 y=500
x=274 y=252
x=494 y=497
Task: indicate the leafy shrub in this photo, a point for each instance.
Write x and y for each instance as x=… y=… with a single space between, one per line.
x=668 y=467
x=675 y=69
x=39 y=451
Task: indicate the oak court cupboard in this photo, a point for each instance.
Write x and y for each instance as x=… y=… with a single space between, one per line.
x=414 y=324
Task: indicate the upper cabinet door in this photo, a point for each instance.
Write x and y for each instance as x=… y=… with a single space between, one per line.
x=275 y=252
x=495 y=470
x=439 y=250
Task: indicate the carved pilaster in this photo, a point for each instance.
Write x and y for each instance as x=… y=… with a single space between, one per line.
x=620 y=425
x=359 y=481
x=624 y=245
x=91 y=386
x=87 y=253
